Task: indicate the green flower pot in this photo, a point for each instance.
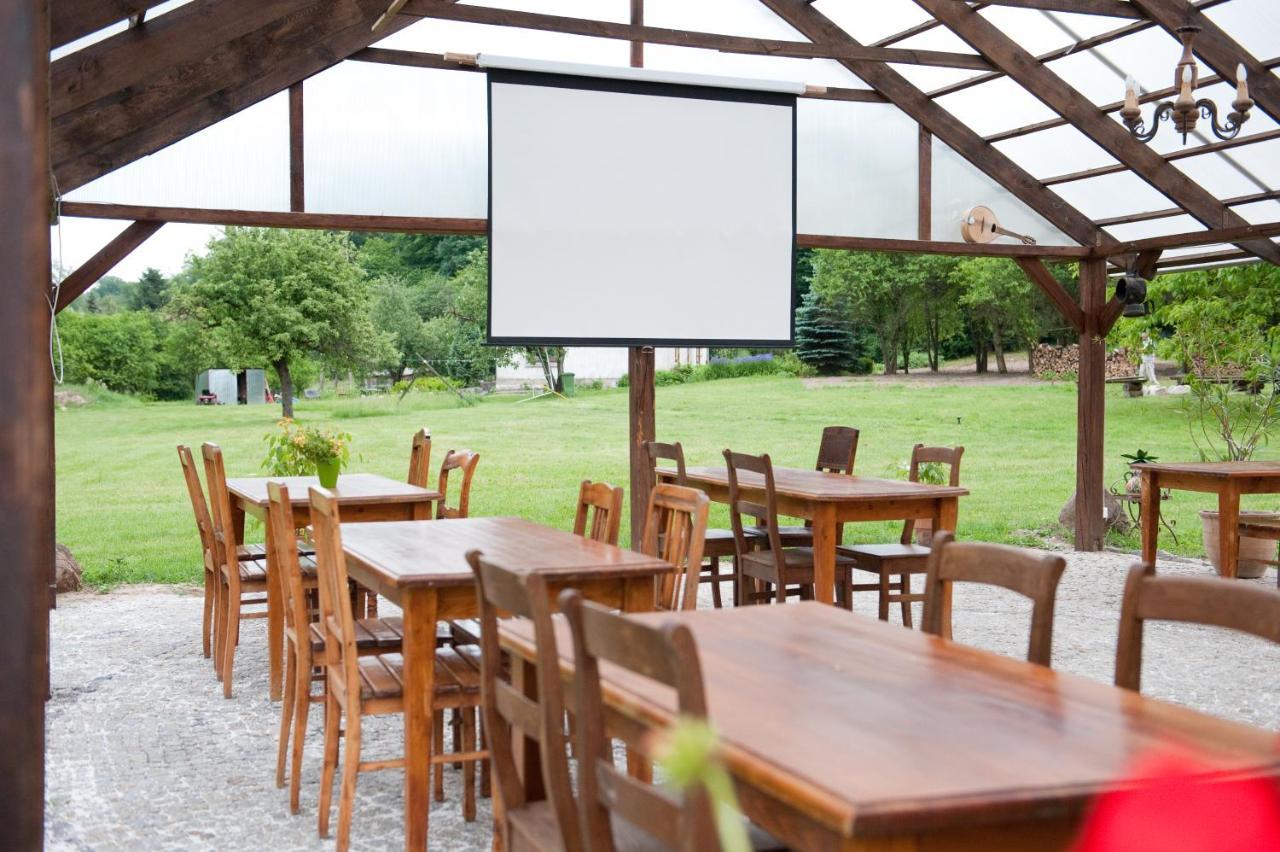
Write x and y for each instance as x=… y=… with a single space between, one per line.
x=328 y=473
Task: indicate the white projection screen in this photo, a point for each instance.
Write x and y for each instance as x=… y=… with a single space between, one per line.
x=631 y=212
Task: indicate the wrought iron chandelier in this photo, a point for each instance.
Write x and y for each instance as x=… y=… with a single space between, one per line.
x=1186 y=109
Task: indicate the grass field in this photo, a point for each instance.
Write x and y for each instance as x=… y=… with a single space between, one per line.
x=123 y=510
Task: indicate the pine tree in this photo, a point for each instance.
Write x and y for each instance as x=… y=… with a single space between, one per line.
x=822 y=341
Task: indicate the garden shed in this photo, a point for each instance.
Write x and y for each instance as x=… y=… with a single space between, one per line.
x=295 y=114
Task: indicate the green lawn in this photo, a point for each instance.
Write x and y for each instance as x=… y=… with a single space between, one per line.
x=123 y=510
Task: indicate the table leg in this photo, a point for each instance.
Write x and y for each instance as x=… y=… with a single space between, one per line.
x=639 y=595
x=1228 y=531
x=419 y=650
x=275 y=623
x=1150 y=516
x=824 y=552
x=946 y=513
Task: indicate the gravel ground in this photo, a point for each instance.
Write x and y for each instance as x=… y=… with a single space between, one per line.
x=143 y=751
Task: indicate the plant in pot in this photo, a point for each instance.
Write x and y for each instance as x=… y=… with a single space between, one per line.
x=297 y=450
x=1227 y=424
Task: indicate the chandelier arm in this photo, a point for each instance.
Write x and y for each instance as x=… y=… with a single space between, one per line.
x=1143 y=133
x=1208 y=109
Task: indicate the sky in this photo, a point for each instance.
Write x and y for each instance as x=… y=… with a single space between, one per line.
x=396 y=141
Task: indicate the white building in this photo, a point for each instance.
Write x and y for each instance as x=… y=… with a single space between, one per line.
x=589 y=363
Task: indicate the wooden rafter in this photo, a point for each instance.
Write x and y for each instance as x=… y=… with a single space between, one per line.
x=73 y=19
x=1056 y=93
x=814 y=25
x=1061 y=299
x=89 y=272
x=684 y=38
x=1217 y=49
x=1109 y=8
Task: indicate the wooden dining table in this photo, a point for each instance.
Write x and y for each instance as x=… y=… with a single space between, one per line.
x=362 y=496
x=1228 y=480
x=844 y=732
x=422 y=567
x=829 y=500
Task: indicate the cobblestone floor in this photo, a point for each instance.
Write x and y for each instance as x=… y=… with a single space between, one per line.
x=144 y=753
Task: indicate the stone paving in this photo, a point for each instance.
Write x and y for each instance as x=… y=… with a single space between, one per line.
x=144 y=753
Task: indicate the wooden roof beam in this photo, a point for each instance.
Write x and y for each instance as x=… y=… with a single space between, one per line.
x=73 y=19
x=955 y=249
x=1168 y=212
x=1213 y=236
x=1108 y=8
x=91 y=271
x=1039 y=80
x=275 y=219
x=685 y=38
x=814 y=25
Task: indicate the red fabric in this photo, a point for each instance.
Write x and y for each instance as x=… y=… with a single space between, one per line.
x=1167 y=807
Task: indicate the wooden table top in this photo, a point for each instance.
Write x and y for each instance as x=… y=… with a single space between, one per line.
x=1226 y=470
x=870 y=728
x=821 y=486
x=433 y=553
x=353 y=489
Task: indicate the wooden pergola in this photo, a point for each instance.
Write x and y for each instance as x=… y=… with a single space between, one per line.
x=130 y=80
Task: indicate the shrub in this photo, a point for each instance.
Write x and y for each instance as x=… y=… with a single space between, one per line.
x=422 y=383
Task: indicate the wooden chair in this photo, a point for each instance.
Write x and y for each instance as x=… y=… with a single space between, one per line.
x=1032 y=575
x=357 y=686
x=904 y=558
x=304 y=639
x=1210 y=601
x=550 y=822
x=675 y=529
x=718 y=543
x=420 y=458
x=784 y=570
x=465 y=461
x=837 y=452
x=601 y=504
x=242 y=581
x=617 y=812
x=208 y=547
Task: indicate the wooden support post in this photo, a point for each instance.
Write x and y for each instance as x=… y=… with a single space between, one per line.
x=89 y=272
x=640 y=391
x=297 y=184
x=924 y=185
x=26 y=417
x=1091 y=408
x=637 y=46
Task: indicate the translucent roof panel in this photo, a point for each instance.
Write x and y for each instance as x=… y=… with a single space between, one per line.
x=1058 y=150
x=871 y=21
x=847 y=187
x=929 y=77
x=1041 y=32
x=1155 y=228
x=242 y=162
x=1239 y=171
x=1254 y=24
x=1260 y=212
x=729 y=17
x=958 y=185
x=1112 y=195
x=1148 y=56
x=824 y=72
x=1000 y=104
x=396 y=141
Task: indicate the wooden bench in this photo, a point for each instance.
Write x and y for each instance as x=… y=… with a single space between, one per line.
x=1132 y=384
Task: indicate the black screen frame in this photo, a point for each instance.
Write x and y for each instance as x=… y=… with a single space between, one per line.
x=636 y=87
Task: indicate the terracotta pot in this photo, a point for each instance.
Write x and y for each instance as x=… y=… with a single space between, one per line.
x=1255 y=553
x=923 y=531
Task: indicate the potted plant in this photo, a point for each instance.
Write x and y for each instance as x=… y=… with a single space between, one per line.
x=298 y=450
x=1227 y=424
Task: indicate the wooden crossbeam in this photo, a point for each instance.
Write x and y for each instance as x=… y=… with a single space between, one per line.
x=1217 y=49
x=1109 y=8
x=685 y=38
x=1058 y=95
x=814 y=25
x=196 y=90
x=1061 y=299
x=92 y=270
x=1226 y=257
x=73 y=19
x=1235 y=234
x=957 y=249
x=1168 y=212
x=276 y=219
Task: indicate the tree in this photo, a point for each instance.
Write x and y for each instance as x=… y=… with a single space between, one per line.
x=272 y=296
x=150 y=293
x=878 y=289
x=997 y=295
x=455 y=336
x=822 y=340
x=394 y=314
x=937 y=314
x=551 y=360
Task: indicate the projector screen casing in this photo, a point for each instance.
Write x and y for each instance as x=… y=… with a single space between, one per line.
x=773 y=297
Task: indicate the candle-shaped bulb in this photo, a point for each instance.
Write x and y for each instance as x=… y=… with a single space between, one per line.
x=1130 y=93
x=1186 y=81
x=1242 y=83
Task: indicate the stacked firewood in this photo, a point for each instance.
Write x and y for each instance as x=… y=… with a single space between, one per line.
x=1064 y=360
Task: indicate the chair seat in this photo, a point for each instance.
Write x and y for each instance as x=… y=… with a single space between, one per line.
x=536 y=823
x=253 y=570
x=371 y=634
x=465 y=631
x=456 y=677
x=795 y=536
x=799 y=564
x=866 y=556
x=259 y=551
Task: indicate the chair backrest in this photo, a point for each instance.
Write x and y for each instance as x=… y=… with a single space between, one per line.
x=337 y=624
x=1209 y=601
x=765 y=514
x=225 y=545
x=922 y=455
x=200 y=508
x=599 y=512
x=675 y=529
x=1032 y=575
x=420 y=458
x=838 y=450
x=284 y=557
x=463 y=460
x=665 y=452
x=664 y=653
x=523 y=595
